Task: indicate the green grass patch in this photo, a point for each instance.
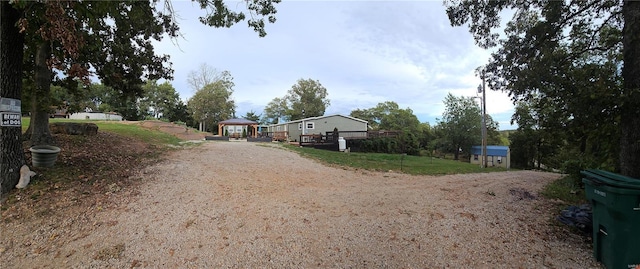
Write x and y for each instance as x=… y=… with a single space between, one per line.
x=415 y=165
x=131 y=130
x=566 y=189
x=137 y=131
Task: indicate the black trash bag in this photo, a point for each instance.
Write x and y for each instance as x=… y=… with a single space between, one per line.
x=580 y=217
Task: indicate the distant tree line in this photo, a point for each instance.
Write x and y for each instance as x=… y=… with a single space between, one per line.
x=457 y=131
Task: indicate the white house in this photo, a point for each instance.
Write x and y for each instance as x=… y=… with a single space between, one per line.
x=95 y=116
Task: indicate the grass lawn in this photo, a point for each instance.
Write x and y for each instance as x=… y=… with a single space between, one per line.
x=130 y=130
x=416 y=165
x=566 y=189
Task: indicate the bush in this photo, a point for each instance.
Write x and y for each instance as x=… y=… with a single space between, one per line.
x=565 y=189
x=571 y=162
x=406 y=143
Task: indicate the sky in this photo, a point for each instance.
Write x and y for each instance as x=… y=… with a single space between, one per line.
x=362 y=52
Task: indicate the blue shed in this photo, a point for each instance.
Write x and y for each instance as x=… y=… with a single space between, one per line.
x=496 y=156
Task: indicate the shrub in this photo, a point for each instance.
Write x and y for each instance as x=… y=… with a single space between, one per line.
x=406 y=143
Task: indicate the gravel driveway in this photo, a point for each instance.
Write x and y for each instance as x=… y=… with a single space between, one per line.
x=243 y=205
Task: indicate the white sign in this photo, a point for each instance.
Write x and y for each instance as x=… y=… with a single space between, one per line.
x=10 y=119
x=10 y=105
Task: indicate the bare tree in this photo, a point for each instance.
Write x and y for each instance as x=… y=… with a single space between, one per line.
x=204 y=75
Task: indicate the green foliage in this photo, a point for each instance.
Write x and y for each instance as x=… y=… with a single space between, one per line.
x=523 y=149
x=213 y=103
x=460 y=127
x=219 y=15
x=504 y=137
x=572 y=162
x=545 y=140
x=179 y=113
x=493 y=134
x=576 y=75
x=112 y=38
x=567 y=189
x=406 y=143
x=158 y=99
x=226 y=132
x=415 y=165
x=426 y=135
x=124 y=108
x=244 y=133
x=307 y=98
x=251 y=115
x=388 y=116
x=409 y=143
x=276 y=109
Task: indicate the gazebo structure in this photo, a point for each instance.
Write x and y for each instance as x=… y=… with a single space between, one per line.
x=235 y=127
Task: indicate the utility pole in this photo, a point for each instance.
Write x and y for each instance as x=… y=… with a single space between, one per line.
x=484 y=122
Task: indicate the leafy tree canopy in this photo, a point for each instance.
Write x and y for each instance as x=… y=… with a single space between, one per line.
x=213 y=103
x=158 y=99
x=252 y=116
x=306 y=98
x=461 y=123
x=111 y=37
x=578 y=60
x=275 y=110
x=388 y=116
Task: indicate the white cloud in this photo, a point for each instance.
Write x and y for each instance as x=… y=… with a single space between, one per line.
x=363 y=52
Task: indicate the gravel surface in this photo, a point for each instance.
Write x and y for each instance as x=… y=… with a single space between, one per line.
x=244 y=205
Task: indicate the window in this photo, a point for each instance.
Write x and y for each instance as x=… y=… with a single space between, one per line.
x=475 y=157
x=310 y=125
x=300 y=126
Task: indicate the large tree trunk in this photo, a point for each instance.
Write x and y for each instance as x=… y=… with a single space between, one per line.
x=456 y=153
x=11 y=52
x=38 y=132
x=630 y=116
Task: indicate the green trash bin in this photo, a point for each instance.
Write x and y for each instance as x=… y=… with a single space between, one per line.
x=615 y=202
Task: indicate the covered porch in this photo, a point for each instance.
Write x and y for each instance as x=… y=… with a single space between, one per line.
x=235 y=127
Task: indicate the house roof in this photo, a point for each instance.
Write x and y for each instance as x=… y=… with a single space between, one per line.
x=321 y=117
x=238 y=122
x=491 y=150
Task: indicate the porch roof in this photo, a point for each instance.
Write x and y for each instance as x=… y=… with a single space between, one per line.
x=238 y=122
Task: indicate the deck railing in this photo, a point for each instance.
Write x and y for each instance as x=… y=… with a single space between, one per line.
x=376 y=134
x=349 y=135
x=277 y=136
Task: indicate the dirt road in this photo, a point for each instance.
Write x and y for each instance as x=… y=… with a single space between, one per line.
x=242 y=205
